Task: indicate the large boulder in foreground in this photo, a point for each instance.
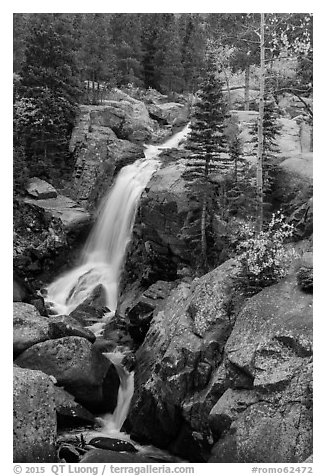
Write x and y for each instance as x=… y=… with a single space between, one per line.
x=34 y=421
x=29 y=327
x=266 y=413
x=182 y=348
x=76 y=365
x=226 y=378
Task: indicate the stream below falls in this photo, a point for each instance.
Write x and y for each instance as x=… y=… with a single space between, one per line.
x=101 y=262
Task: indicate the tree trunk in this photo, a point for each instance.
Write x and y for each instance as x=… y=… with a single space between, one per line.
x=203 y=231
x=260 y=195
x=204 y=215
x=228 y=89
x=247 y=75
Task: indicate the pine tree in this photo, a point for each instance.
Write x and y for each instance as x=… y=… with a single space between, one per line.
x=126 y=37
x=96 y=54
x=168 y=58
x=206 y=143
x=193 y=50
x=47 y=95
x=20 y=32
x=150 y=24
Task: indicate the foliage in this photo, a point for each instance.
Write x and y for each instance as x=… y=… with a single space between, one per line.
x=171 y=69
x=46 y=95
x=95 y=53
x=193 y=46
x=143 y=48
x=206 y=143
x=207 y=139
x=264 y=258
x=20 y=170
x=126 y=40
x=45 y=122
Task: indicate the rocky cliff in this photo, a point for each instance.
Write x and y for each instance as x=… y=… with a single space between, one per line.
x=109 y=136
x=222 y=378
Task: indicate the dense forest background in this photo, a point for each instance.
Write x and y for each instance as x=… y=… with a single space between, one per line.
x=62 y=60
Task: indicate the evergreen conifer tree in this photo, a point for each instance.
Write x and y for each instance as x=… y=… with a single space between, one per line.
x=96 y=54
x=206 y=143
x=193 y=50
x=47 y=95
x=169 y=66
x=126 y=37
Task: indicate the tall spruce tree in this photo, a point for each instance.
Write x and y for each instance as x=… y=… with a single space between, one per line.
x=206 y=143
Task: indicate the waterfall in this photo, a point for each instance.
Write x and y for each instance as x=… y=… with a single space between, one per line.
x=112 y=423
x=103 y=254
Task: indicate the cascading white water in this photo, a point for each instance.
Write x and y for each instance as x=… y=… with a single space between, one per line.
x=112 y=423
x=102 y=257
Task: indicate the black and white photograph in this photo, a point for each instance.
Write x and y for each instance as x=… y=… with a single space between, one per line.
x=162 y=241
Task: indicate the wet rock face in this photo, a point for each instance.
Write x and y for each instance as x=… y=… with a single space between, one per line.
x=158 y=248
x=93 y=307
x=34 y=420
x=178 y=356
x=141 y=312
x=215 y=372
x=70 y=413
x=112 y=444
